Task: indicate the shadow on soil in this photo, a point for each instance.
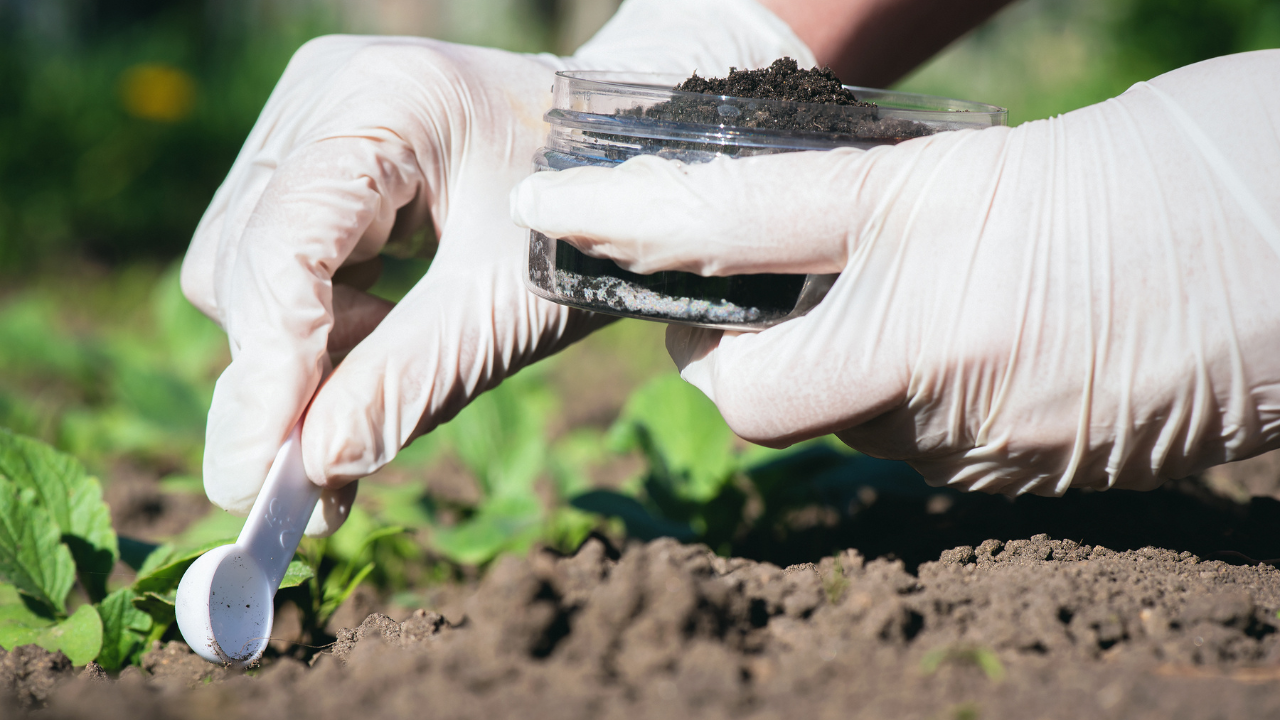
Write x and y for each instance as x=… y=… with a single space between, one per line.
x=884 y=509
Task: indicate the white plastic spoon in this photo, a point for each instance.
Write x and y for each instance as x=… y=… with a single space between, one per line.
x=225 y=602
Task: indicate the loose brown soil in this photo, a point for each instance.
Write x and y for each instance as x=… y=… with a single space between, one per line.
x=918 y=623
x=1034 y=627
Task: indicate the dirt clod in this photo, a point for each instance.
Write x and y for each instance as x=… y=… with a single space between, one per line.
x=94 y=672
x=174 y=664
x=421 y=626
x=783 y=80
x=813 y=101
x=29 y=674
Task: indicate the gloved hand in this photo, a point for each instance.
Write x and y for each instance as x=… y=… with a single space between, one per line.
x=366 y=141
x=1090 y=300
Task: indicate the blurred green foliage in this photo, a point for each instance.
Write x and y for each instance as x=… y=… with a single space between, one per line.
x=1166 y=34
x=102 y=382
x=115 y=130
x=1040 y=58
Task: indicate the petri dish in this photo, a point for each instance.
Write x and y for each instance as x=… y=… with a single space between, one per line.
x=602 y=118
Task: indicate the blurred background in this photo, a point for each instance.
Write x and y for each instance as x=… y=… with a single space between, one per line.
x=119 y=119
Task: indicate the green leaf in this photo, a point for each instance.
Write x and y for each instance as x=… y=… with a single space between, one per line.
x=73 y=500
x=216 y=525
x=406 y=505
x=573 y=457
x=501 y=524
x=640 y=522
x=124 y=628
x=79 y=637
x=18 y=609
x=349 y=544
x=690 y=448
x=566 y=528
x=338 y=594
x=349 y=541
x=160 y=398
x=161 y=608
x=162 y=612
x=164 y=567
x=32 y=555
x=298 y=572
x=30 y=344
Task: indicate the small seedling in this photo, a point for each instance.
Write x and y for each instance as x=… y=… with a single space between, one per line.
x=983 y=657
x=836 y=583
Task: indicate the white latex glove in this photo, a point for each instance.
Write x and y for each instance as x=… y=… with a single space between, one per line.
x=1091 y=300
x=367 y=140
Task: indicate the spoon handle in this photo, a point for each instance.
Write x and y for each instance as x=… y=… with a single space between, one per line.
x=280 y=514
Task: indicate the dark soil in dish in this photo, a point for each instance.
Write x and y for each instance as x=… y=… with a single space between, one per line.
x=783 y=80
x=816 y=102
x=1014 y=626
x=601 y=285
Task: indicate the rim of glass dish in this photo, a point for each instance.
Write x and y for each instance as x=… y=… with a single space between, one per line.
x=662 y=85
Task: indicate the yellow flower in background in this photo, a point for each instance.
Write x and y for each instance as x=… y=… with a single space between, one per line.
x=152 y=91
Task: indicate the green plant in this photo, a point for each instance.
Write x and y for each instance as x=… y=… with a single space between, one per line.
x=500 y=439
x=1041 y=58
x=700 y=483
x=137 y=383
x=836 y=583
x=520 y=477
x=978 y=655
x=57 y=553
x=342 y=563
x=687 y=491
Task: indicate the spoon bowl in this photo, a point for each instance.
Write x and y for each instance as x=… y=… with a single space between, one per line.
x=225 y=600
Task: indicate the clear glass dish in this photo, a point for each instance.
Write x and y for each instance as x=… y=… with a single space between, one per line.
x=606 y=118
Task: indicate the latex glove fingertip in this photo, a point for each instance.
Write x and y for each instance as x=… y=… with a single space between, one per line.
x=691 y=348
x=686 y=344
x=332 y=510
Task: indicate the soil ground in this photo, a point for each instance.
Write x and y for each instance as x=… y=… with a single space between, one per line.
x=1155 y=605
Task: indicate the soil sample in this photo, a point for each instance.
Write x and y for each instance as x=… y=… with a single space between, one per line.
x=782 y=108
x=813 y=101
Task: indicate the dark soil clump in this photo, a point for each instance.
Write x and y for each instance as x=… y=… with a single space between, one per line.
x=30 y=674
x=813 y=101
x=783 y=80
